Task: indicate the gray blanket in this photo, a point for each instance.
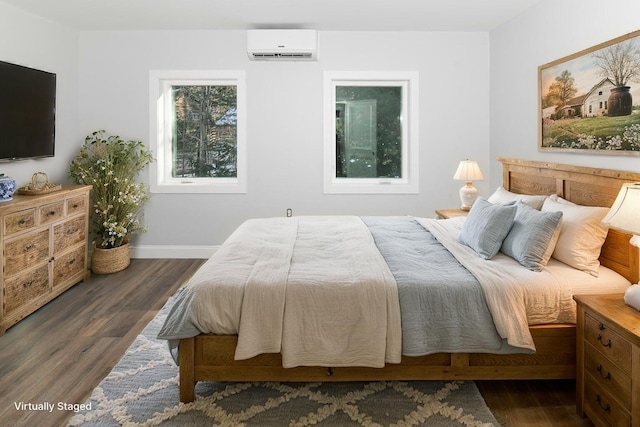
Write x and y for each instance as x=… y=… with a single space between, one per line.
x=442 y=305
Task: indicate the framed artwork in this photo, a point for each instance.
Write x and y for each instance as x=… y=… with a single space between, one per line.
x=589 y=102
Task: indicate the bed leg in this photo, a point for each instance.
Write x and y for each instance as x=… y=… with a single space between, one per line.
x=186 y=358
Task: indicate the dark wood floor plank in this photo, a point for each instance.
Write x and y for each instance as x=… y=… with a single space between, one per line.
x=62 y=351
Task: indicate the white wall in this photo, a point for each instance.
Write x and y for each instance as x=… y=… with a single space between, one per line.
x=551 y=30
x=285 y=120
x=37 y=43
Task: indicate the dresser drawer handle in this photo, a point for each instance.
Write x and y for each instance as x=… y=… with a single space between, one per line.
x=601 y=327
x=29 y=247
x=22 y=222
x=605 y=377
x=608 y=344
x=51 y=213
x=604 y=408
x=28 y=283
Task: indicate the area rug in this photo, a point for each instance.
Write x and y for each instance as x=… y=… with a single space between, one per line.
x=142 y=390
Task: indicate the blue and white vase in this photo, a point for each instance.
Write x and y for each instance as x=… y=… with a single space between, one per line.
x=7 y=188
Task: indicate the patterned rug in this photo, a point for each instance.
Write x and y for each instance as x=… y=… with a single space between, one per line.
x=142 y=390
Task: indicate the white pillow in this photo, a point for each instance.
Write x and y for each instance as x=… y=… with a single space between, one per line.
x=582 y=234
x=503 y=196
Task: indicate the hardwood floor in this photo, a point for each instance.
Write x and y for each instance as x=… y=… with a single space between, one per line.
x=62 y=351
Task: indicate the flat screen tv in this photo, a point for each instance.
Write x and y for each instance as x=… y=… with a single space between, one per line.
x=27 y=112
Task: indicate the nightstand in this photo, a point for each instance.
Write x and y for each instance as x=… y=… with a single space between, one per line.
x=450 y=213
x=608 y=360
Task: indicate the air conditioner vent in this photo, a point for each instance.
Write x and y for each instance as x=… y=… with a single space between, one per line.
x=282 y=45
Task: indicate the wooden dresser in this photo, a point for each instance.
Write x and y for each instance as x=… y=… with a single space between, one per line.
x=608 y=365
x=44 y=242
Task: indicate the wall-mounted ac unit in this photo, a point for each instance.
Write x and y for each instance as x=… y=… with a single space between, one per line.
x=282 y=45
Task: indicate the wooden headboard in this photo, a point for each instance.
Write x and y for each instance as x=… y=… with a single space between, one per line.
x=583 y=186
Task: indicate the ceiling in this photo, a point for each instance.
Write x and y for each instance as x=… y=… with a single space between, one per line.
x=323 y=15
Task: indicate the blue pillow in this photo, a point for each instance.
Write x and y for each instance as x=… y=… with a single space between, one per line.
x=533 y=236
x=486 y=227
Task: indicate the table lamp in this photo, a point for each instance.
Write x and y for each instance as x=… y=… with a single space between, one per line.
x=624 y=215
x=468 y=171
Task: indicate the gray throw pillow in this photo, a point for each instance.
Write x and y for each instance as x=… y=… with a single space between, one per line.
x=533 y=237
x=486 y=227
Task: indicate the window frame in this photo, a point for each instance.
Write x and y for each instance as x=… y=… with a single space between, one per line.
x=409 y=182
x=160 y=83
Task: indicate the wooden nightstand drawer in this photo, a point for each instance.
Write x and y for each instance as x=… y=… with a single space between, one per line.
x=606 y=376
x=607 y=341
x=600 y=404
x=19 y=221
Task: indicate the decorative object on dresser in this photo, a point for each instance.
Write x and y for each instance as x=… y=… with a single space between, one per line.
x=111 y=165
x=7 y=188
x=608 y=360
x=39 y=185
x=625 y=216
x=44 y=246
x=468 y=171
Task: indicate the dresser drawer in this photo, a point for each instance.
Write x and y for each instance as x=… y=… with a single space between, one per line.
x=606 y=408
x=76 y=204
x=68 y=265
x=606 y=376
x=26 y=287
x=19 y=221
x=608 y=342
x=51 y=212
x=69 y=233
x=26 y=251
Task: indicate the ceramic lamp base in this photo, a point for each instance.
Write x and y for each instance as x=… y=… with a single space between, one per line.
x=468 y=195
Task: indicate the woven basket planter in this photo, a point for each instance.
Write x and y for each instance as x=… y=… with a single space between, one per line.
x=106 y=261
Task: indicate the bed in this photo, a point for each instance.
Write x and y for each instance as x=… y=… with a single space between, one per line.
x=544 y=351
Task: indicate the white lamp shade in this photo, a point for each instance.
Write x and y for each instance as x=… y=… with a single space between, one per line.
x=625 y=212
x=468 y=170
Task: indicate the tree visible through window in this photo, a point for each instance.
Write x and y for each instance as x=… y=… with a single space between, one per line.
x=204 y=140
x=198 y=131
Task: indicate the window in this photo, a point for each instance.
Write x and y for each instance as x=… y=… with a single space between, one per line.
x=371 y=132
x=198 y=131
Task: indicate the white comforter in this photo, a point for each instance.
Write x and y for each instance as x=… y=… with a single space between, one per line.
x=286 y=285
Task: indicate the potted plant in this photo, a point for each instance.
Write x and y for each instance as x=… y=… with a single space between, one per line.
x=110 y=165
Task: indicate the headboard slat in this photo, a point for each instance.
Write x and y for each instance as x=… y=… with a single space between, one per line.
x=584 y=186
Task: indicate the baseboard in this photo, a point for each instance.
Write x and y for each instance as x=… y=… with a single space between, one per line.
x=172 y=251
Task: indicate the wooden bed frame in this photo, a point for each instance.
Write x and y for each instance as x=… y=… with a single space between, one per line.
x=209 y=357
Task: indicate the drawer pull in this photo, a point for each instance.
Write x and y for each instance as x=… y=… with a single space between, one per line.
x=606 y=377
x=601 y=327
x=608 y=344
x=28 y=283
x=22 y=222
x=604 y=408
x=29 y=247
x=75 y=206
x=51 y=213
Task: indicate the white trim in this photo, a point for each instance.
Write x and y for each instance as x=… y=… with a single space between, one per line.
x=409 y=183
x=172 y=251
x=159 y=80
